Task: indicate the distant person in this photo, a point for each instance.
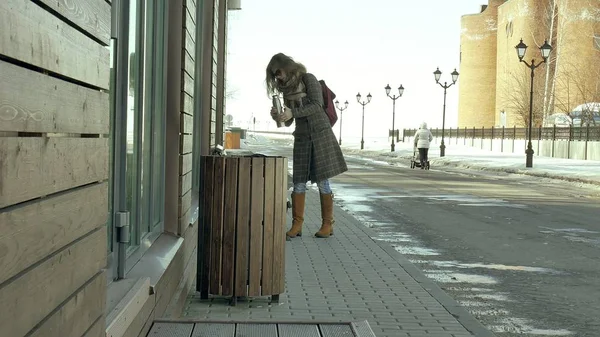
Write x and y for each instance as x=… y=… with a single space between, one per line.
x=423 y=138
x=317 y=154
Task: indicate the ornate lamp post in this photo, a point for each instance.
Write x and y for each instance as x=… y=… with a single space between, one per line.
x=438 y=74
x=545 y=50
x=363 y=103
x=337 y=105
x=394 y=98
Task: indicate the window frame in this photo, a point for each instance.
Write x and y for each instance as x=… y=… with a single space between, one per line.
x=148 y=168
x=111 y=231
x=151 y=96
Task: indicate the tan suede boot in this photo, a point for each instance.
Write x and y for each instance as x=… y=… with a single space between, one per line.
x=327 y=215
x=297 y=215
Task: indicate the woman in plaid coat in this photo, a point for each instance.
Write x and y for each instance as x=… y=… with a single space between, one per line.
x=317 y=154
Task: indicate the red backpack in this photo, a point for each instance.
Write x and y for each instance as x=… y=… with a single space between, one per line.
x=328 y=105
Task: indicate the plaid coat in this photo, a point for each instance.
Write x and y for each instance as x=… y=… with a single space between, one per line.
x=317 y=154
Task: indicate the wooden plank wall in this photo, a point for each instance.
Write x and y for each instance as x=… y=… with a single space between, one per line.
x=188 y=76
x=54 y=166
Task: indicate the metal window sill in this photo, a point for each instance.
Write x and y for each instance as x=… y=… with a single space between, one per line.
x=146 y=273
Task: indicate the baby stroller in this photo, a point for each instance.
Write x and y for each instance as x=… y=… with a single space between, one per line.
x=416 y=160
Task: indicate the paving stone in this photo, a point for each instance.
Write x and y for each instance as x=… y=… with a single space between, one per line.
x=346 y=277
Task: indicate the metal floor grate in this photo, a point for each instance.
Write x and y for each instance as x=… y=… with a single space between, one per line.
x=213 y=330
x=171 y=330
x=296 y=330
x=260 y=329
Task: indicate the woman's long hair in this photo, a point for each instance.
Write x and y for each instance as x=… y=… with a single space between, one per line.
x=293 y=70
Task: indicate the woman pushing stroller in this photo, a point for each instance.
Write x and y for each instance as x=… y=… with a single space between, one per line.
x=423 y=138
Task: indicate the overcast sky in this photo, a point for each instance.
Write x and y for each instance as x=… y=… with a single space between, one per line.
x=355 y=46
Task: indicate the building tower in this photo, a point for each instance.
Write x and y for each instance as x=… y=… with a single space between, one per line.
x=477 y=87
x=529 y=20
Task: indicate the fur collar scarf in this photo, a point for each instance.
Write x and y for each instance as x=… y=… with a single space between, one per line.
x=293 y=89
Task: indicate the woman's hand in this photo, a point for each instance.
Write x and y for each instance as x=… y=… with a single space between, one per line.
x=286 y=115
x=274 y=114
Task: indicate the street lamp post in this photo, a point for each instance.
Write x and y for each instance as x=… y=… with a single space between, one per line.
x=437 y=75
x=394 y=98
x=363 y=103
x=337 y=105
x=545 y=50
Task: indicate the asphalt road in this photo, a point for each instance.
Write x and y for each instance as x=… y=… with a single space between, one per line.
x=520 y=253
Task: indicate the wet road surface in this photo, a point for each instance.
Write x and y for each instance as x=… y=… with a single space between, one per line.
x=522 y=254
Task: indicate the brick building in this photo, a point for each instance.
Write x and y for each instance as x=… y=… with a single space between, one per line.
x=494 y=86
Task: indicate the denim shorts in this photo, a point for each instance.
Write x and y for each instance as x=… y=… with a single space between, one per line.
x=323 y=186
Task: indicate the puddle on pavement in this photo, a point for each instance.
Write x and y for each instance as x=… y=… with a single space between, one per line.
x=481 y=290
x=568 y=230
x=380 y=162
x=394 y=196
x=474 y=304
x=374 y=161
x=523 y=326
x=355 y=167
x=463 y=198
x=575 y=238
x=495 y=205
x=382 y=225
x=354 y=203
x=573 y=234
x=489 y=312
x=416 y=261
x=490 y=297
x=356 y=208
x=456 y=264
x=353 y=198
x=467 y=200
x=452 y=277
x=393 y=236
x=363 y=166
x=412 y=250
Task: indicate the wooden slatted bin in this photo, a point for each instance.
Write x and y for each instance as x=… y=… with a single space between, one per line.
x=241 y=248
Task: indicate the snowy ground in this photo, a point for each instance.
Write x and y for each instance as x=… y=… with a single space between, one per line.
x=585 y=171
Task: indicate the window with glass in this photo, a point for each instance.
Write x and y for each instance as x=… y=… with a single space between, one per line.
x=145 y=121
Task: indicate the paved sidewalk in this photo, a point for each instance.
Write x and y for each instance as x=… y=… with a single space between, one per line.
x=350 y=277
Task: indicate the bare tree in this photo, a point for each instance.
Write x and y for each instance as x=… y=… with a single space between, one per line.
x=570 y=78
x=230 y=92
x=582 y=86
x=516 y=95
x=554 y=33
x=551 y=19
